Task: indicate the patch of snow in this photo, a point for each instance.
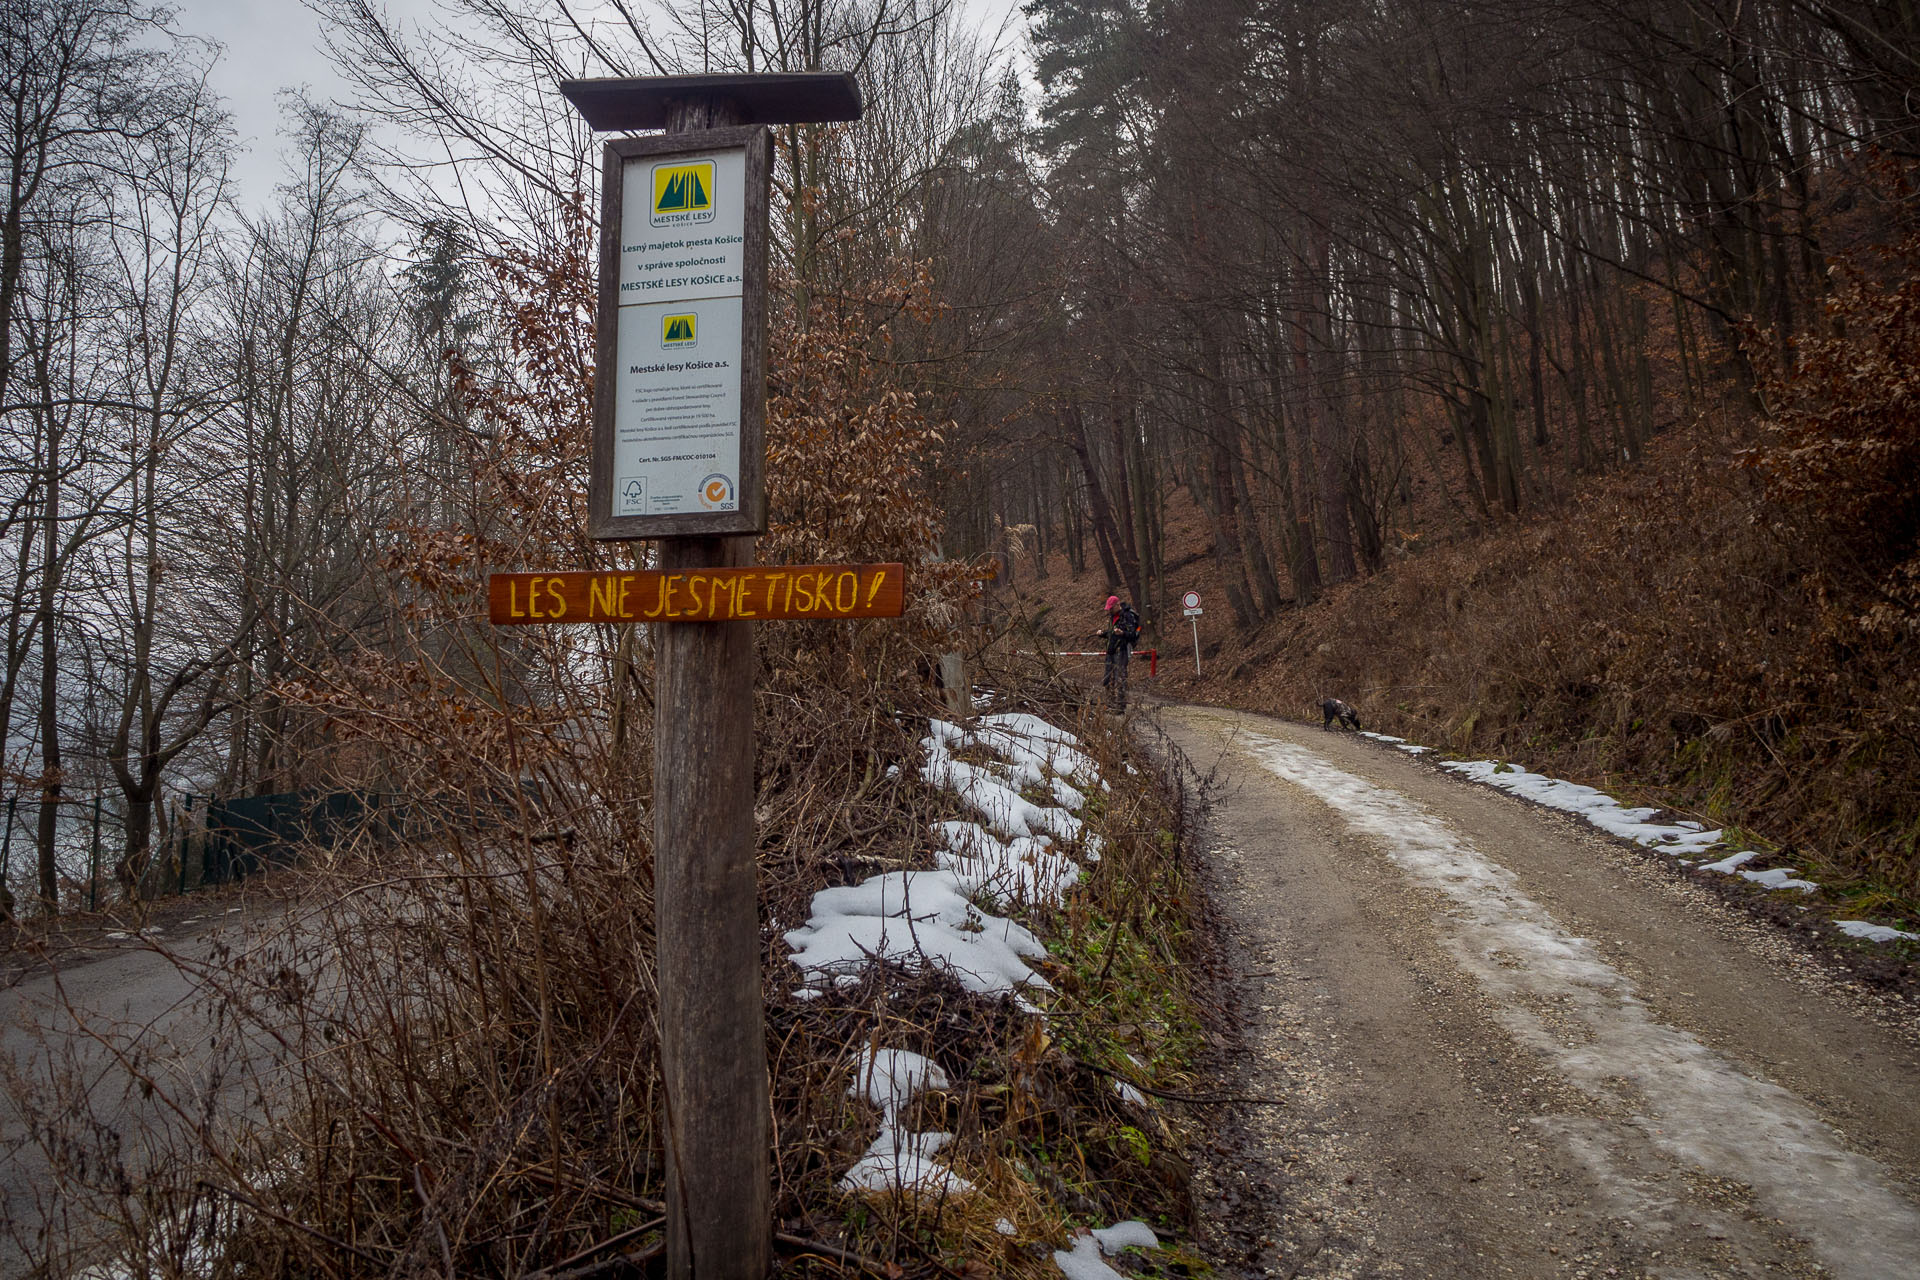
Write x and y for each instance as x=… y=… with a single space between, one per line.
x=114 y=935
x=1685 y=1099
x=1031 y=726
x=903 y=1161
x=1083 y=1261
x=916 y=895
x=1381 y=737
x=919 y=920
x=1132 y=1233
x=1025 y=870
x=1060 y=748
x=998 y=805
x=1874 y=932
x=1779 y=878
x=897 y=1159
x=1597 y=807
x=1004 y=1227
x=888 y=1078
x=1130 y=1095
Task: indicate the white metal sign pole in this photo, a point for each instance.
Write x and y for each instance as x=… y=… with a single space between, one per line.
x=1192 y=602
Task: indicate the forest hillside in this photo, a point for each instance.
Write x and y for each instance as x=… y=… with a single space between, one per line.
x=1538 y=378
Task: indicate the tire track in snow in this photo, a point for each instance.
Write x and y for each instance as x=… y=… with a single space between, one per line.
x=1682 y=1097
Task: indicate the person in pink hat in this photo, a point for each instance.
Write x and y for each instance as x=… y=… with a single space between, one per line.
x=1120 y=633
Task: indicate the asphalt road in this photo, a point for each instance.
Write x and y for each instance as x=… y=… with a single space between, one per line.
x=1511 y=1046
x=108 y=1052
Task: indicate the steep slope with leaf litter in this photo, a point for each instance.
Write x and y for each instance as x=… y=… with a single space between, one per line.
x=465 y=1078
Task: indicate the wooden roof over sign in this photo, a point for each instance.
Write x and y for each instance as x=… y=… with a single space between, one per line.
x=787 y=97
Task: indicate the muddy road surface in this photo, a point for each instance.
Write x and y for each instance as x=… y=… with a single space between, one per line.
x=1507 y=1045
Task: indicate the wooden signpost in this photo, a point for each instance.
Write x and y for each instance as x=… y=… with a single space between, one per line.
x=758 y=593
x=679 y=455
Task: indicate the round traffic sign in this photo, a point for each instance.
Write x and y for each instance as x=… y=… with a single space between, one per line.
x=1191 y=600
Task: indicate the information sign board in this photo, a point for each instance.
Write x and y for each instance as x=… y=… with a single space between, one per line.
x=759 y=593
x=679 y=396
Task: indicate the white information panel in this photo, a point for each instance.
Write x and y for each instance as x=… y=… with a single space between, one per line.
x=676 y=415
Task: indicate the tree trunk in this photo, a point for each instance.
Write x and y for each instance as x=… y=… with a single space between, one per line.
x=1120 y=573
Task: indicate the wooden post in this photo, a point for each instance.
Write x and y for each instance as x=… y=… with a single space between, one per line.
x=954 y=687
x=713 y=1050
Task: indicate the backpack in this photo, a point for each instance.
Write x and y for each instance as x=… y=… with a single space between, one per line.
x=1127 y=626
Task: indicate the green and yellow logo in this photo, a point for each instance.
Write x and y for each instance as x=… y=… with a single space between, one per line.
x=682 y=193
x=679 y=331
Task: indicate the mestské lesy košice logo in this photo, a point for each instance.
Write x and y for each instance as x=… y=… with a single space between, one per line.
x=679 y=331
x=682 y=193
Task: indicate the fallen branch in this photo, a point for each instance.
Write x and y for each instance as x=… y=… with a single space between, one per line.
x=558 y=1271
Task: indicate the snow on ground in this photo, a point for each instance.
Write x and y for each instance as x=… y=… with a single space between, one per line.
x=888 y=1078
x=1681 y=839
x=1083 y=1261
x=1019 y=854
x=993 y=791
x=1678 y=839
x=1779 y=878
x=1023 y=871
x=913 y=919
x=1402 y=743
x=1602 y=1037
x=1875 y=932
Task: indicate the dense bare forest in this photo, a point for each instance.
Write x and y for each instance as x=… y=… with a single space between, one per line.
x=1361 y=288
x=1316 y=261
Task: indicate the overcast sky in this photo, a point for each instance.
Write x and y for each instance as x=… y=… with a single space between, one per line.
x=275 y=44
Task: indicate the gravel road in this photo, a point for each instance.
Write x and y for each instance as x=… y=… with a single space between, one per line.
x=1511 y=1046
